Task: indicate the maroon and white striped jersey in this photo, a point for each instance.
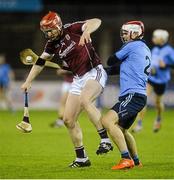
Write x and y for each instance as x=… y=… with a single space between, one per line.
x=78 y=59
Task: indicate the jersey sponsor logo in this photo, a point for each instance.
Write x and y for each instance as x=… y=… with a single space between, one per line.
x=64 y=50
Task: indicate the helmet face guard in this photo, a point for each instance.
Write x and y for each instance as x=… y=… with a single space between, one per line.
x=46 y=33
x=122 y=33
x=133 y=29
x=53 y=36
x=49 y=23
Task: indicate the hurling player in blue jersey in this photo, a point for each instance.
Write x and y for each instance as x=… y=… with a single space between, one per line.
x=162 y=62
x=132 y=63
x=6 y=75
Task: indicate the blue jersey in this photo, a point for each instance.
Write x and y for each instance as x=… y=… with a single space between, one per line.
x=4 y=74
x=165 y=53
x=135 y=67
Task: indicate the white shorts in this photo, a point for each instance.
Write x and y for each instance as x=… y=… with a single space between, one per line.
x=66 y=86
x=97 y=73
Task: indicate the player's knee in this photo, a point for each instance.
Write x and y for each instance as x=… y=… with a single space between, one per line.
x=158 y=102
x=84 y=102
x=124 y=131
x=104 y=122
x=69 y=123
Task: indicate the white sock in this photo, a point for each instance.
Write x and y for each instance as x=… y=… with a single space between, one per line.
x=106 y=140
x=81 y=159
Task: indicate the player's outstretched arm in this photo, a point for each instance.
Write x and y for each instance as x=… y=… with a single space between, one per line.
x=92 y=25
x=89 y=27
x=35 y=70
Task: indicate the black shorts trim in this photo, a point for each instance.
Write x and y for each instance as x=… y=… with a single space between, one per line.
x=159 y=89
x=128 y=107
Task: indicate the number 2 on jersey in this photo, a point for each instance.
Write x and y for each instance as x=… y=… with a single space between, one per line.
x=146 y=70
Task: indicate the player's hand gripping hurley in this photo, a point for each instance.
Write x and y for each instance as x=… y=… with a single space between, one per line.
x=25 y=125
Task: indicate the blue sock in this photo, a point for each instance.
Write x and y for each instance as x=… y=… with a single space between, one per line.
x=136 y=160
x=125 y=155
x=140 y=122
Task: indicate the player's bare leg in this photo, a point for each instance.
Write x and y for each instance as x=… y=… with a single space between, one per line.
x=110 y=122
x=139 y=126
x=71 y=113
x=59 y=122
x=72 y=110
x=142 y=113
x=160 y=108
x=90 y=92
x=132 y=147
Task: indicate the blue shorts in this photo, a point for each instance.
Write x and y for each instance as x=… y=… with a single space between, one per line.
x=128 y=107
x=159 y=89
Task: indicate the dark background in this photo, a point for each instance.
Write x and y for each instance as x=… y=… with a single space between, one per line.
x=20 y=30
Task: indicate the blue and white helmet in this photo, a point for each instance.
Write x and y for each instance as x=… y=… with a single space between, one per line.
x=133 y=27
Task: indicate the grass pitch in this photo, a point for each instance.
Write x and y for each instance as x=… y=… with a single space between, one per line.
x=46 y=152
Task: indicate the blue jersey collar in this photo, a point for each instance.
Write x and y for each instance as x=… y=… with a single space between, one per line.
x=133 y=41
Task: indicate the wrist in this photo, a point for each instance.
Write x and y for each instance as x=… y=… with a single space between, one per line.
x=86 y=32
x=28 y=81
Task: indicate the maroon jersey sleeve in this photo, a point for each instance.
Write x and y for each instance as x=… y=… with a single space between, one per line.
x=76 y=27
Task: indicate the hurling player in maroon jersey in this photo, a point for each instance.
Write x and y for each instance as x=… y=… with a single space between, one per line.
x=71 y=43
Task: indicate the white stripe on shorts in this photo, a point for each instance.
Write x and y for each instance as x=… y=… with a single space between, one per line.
x=125 y=103
x=128 y=100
